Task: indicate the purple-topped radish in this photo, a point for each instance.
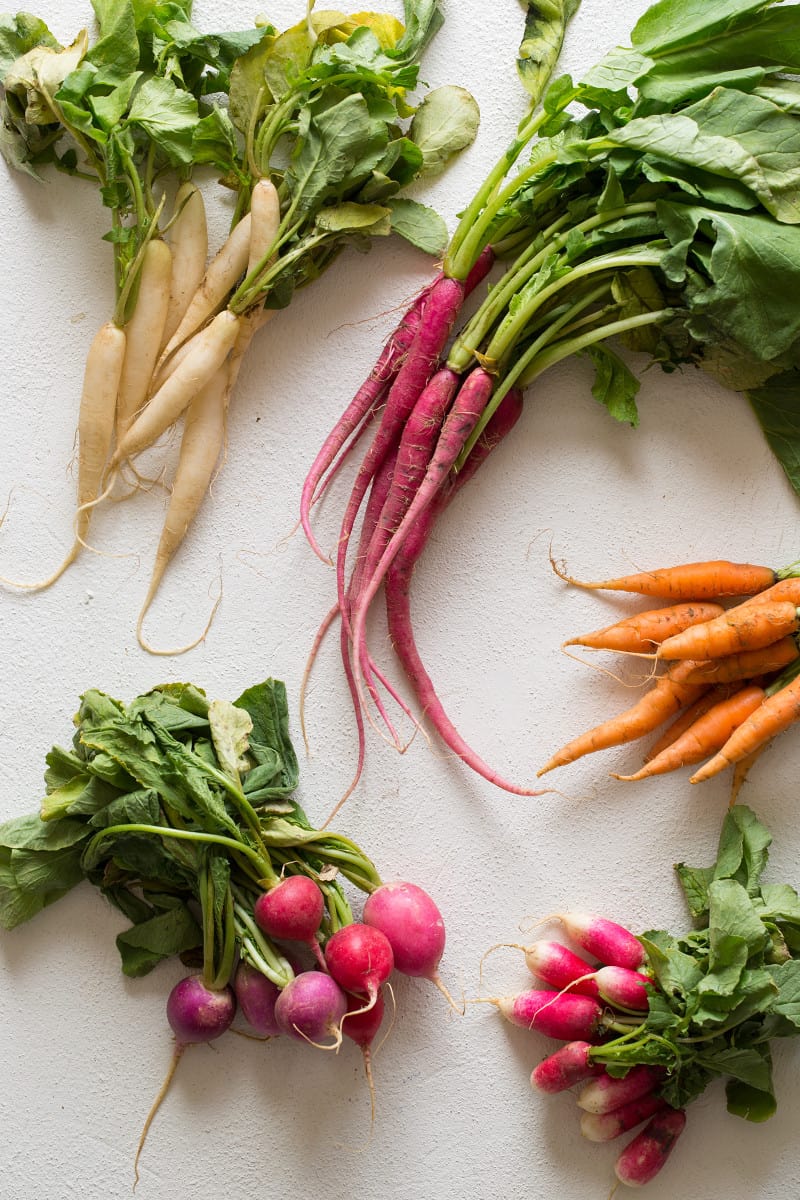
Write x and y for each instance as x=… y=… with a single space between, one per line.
x=605 y=1093
x=360 y=959
x=605 y=940
x=555 y=1014
x=414 y=927
x=292 y=911
x=257 y=997
x=311 y=1008
x=568 y=1065
x=643 y=1158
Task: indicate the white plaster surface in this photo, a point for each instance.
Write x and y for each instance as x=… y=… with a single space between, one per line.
x=82 y=1049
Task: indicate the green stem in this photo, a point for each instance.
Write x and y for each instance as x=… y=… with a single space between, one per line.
x=259 y=950
x=266 y=871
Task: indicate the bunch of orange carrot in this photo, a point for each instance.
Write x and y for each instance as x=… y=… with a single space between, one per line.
x=726 y=675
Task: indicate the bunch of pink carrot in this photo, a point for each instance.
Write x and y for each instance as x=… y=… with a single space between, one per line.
x=732 y=674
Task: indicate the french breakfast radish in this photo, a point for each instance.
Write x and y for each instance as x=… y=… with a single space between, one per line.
x=644 y=1157
x=555 y=1014
x=605 y=940
x=558 y=966
x=624 y=988
x=607 y=1092
x=568 y=1065
x=604 y=1127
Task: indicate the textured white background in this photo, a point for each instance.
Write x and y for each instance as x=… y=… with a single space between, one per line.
x=83 y=1050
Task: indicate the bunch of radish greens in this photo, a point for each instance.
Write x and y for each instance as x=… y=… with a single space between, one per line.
x=731 y=678
x=653 y=206
x=666 y=1015
x=310 y=131
x=180 y=811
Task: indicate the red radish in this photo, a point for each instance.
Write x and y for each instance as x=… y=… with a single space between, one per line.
x=360 y=959
x=257 y=997
x=568 y=1065
x=311 y=1007
x=292 y=911
x=603 y=1127
x=361 y=1026
x=556 y=1014
x=643 y=1158
x=558 y=966
x=415 y=929
x=603 y=939
x=623 y=988
x=196 y=1014
x=606 y=1093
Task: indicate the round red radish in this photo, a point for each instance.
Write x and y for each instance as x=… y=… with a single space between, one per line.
x=198 y=1014
x=413 y=925
x=257 y=997
x=568 y=1065
x=311 y=1007
x=292 y=910
x=360 y=959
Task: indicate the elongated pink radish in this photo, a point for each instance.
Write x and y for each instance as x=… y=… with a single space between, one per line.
x=555 y=1014
x=568 y=1065
x=310 y=1008
x=611 y=943
x=607 y=1092
x=210 y=348
x=398 y=597
x=292 y=911
x=143 y=333
x=201 y=444
x=366 y=398
x=604 y=1127
x=410 y=919
x=643 y=1158
x=95 y=432
x=360 y=959
x=558 y=966
x=623 y=988
x=468 y=406
x=257 y=996
x=223 y=272
x=188 y=241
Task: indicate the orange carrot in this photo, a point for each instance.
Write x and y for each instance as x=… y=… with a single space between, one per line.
x=784 y=589
x=732 y=667
x=707 y=735
x=690 y=581
x=776 y=713
x=688 y=717
x=663 y=700
x=742 y=628
x=646 y=629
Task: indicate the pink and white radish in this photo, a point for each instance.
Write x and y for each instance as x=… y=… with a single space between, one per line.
x=558 y=966
x=555 y=1014
x=623 y=988
x=604 y=1127
x=568 y=1065
x=644 y=1157
x=607 y=1092
x=603 y=939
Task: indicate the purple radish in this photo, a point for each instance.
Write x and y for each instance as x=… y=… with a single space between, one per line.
x=603 y=939
x=643 y=1158
x=196 y=1014
x=310 y=1008
x=361 y=1026
x=603 y=1127
x=568 y=1065
x=606 y=1093
x=556 y=1014
x=360 y=959
x=623 y=988
x=257 y=997
x=292 y=911
x=414 y=927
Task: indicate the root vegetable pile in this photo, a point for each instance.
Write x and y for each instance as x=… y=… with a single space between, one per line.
x=664 y=219
x=660 y=1017
x=180 y=811
x=730 y=678
x=309 y=129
